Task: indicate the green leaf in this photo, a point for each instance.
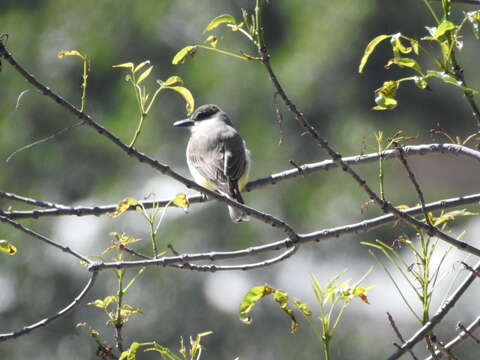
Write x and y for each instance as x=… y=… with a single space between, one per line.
x=144 y=75
x=7 y=247
x=398 y=47
x=250 y=299
x=443 y=28
x=369 y=49
x=221 y=19
x=384 y=96
x=179 y=56
x=128 y=65
x=172 y=80
x=141 y=65
x=449 y=79
x=187 y=95
x=405 y=62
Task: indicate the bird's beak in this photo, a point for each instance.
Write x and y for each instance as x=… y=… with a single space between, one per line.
x=183 y=123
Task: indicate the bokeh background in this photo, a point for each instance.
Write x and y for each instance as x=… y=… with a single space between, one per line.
x=316 y=47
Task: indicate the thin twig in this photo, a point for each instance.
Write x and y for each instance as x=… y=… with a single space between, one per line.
x=469 y=330
x=469 y=268
x=437 y=318
x=414 y=181
x=399 y=335
x=26 y=200
x=40 y=141
x=465 y=334
x=48 y=320
x=441 y=349
x=131 y=151
x=44 y=239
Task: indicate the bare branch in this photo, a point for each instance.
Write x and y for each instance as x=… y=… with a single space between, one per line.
x=404 y=162
x=48 y=320
x=399 y=335
x=306 y=169
x=439 y=315
x=465 y=334
x=26 y=200
x=44 y=239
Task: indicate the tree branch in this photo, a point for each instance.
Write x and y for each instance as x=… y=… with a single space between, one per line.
x=302 y=170
x=44 y=239
x=440 y=314
x=48 y=320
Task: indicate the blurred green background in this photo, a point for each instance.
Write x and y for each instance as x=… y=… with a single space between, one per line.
x=316 y=47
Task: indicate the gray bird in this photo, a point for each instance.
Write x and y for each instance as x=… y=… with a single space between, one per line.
x=217 y=156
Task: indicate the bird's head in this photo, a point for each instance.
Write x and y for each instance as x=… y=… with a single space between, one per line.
x=204 y=113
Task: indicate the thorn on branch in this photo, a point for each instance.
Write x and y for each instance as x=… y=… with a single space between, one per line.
x=299 y=168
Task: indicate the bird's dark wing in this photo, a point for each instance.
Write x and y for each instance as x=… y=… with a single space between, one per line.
x=219 y=156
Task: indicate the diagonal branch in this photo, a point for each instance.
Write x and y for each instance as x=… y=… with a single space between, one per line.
x=447 y=306
x=413 y=180
x=44 y=239
x=48 y=320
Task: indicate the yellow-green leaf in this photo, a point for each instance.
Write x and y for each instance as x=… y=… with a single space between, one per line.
x=128 y=65
x=221 y=19
x=7 y=247
x=123 y=206
x=141 y=65
x=443 y=28
x=144 y=75
x=187 y=95
x=212 y=41
x=181 y=200
x=179 y=56
x=64 y=53
x=172 y=80
x=369 y=49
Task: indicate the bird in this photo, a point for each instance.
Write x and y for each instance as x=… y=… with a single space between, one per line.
x=217 y=156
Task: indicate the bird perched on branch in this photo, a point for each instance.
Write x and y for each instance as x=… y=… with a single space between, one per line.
x=217 y=156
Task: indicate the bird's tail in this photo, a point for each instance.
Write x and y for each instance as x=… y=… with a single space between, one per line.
x=237 y=215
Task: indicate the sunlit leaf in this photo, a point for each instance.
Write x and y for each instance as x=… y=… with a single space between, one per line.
x=144 y=75
x=257 y=293
x=250 y=299
x=405 y=62
x=181 y=200
x=449 y=79
x=64 y=53
x=131 y=353
x=443 y=28
x=141 y=65
x=123 y=206
x=187 y=95
x=7 y=247
x=369 y=49
x=398 y=47
x=212 y=41
x=303 y=308
x=128 y=65
x=179 y=56
x=221 y=19
x=172 y=80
